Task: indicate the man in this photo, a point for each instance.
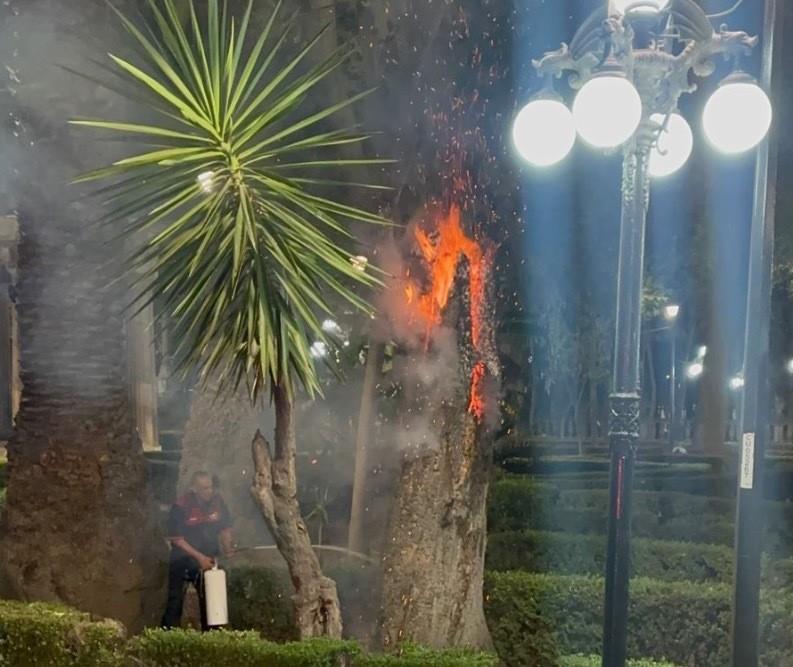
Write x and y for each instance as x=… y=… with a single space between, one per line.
x=199 y=529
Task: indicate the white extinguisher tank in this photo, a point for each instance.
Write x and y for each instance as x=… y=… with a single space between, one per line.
x=215 y=597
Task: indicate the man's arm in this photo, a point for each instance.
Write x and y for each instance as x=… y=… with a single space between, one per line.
x=176 y=526
x=204 y=562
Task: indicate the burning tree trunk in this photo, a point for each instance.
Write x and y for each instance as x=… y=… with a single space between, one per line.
x=274 y=489
x=432 y=590
x=434 y=561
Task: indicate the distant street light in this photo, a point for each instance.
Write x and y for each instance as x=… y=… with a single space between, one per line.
x=789 y=366
x=694 y=370
x=737 y=382
x=318 y=350
x=702 y=350
x=671 y=311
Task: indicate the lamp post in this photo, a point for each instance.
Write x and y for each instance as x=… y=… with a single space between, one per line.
x=755 y=408
x=630 y=63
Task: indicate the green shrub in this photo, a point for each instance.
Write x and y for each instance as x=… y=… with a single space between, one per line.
x=160 y=648
x=687 y=623
x=567 y=553
x=178 y=648
x=39 y=635
x=260 y=599
x=416 y=656
x=595 y=661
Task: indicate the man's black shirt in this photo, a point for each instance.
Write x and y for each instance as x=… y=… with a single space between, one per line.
x=198 y=523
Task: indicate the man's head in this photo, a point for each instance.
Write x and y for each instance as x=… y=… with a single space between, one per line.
x=202 y=486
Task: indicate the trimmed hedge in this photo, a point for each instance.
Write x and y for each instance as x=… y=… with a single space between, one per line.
x=517 y=504
x=567 y=553
x=161 y=648
x=687 y=623
x=261 y=600
x=38 y=634
x=595 y=661
x=177 y=648
x=415 y=656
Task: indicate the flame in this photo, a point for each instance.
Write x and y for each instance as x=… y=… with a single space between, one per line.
x=476 y=404
x=441 y=252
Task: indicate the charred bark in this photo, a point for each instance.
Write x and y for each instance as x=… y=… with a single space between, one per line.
x=274 y=489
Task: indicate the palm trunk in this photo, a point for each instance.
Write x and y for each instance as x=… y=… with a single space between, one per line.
x=78 y=527
x=274 y=489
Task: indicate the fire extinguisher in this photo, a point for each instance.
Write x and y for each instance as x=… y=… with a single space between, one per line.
x=215 y=598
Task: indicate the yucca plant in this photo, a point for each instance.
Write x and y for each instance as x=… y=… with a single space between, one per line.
x=235 y=238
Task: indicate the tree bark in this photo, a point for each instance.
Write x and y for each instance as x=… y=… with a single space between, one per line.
x=274 y=490
x=434 y=562
x=433 y=565
x=78 y=524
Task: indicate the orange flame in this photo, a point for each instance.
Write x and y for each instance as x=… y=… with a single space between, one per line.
x=442 y=252
x=476 y=404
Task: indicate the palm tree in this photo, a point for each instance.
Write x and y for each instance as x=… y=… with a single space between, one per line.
x=243 y=250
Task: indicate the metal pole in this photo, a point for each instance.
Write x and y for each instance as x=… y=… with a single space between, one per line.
x=755 y=412
x=624 y=398
x=673 y=386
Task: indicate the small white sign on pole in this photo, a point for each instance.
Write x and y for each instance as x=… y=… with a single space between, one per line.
x=747 y=461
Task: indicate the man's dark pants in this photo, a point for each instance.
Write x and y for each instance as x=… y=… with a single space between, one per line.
x=181 y=572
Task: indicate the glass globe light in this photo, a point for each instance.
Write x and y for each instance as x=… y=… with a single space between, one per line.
x=738 y=115
x=607 y=111
x=640 y=6
x=544 y=132
x=673 y=146
x=695 y=369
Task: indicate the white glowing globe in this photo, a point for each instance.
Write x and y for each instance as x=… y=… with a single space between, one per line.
x=607 y=111
x=544 y=132
x=673 y=147
x=737 y=116
x=640 y=6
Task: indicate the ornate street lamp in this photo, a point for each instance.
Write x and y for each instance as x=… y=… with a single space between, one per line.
x=630 y=63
